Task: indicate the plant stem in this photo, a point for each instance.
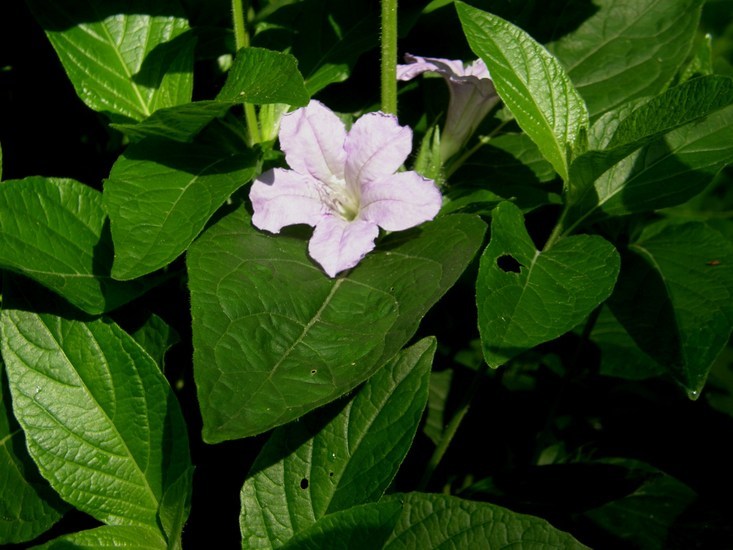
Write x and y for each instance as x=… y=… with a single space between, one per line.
x=482 y=140
x=241 y=40
x=389 y=56
x=557 y=231
x=452 y=428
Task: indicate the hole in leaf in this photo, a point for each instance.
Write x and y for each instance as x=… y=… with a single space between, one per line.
x=330 y=474
x=304 y=483
x=508 y=264
x=313 y=372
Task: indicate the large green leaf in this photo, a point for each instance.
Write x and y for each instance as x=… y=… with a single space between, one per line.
x=362 y=527
x=28 y=506
x=670 y=170
x=55 y=232
x=125 y=58
x=442 y=521
x=647 y=514
x=100 y=420
x=531 y=82
x=336 y=457
x=526 y=297
x=180 y=123
x=674 y=298
x=109 y=536
x=628 y=49
x=161 y=193
x=274 y=337
x=662 y=125
x=620 y=356
x=257 y=76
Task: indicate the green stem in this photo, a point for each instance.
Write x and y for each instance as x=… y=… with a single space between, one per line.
x=557 y=231
x=389 y=56
x=241 y=40
x=452 y=428
x=482 y=140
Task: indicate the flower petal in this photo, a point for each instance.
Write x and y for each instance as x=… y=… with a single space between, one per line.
x=376 y=147
x=337 y=244
x=401 y=201
x=313 y=141
x=417 y=65
x=283 y=197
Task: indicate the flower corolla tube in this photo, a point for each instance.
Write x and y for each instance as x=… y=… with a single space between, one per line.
x=472 y=96
x=344 y=184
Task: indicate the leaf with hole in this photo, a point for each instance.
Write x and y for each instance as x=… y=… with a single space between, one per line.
x=525 y=296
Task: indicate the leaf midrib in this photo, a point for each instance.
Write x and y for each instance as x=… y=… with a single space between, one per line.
x=84 y=386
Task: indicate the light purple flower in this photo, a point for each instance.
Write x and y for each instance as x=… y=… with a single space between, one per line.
x=472 y=96
x=342 y=183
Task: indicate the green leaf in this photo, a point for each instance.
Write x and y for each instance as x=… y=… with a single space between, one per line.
x=362 y=527
x=628 y=49
x=326 y=36
x=125 y=58
x=647 y=123
x=670 y=170
x=257 y=76
x=28 y=506
x=55 y=232
x=513 y=157
x=160 y=194
x=442 y=521
x=526 y=297
x=274 y=337
x=674 y=298
x=620 y=356
x=440 y=383
x=101 y=422
x=337 y=457
x=531 y=82
x=156 y=337
x=108 y=536
x=175 y=507
x=701 y=62
x=180 y=123
x=644 y=517
x=263 y=76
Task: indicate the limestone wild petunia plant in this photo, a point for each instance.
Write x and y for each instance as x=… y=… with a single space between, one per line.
x=472 y=96
x=343 y=183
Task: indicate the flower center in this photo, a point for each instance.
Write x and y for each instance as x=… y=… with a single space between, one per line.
x=337 y=196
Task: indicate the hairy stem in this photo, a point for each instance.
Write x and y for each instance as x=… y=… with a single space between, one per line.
x=241 y=40
x=389 y=56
